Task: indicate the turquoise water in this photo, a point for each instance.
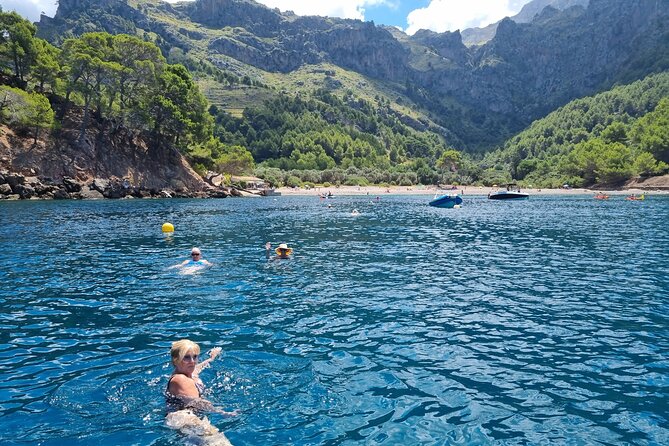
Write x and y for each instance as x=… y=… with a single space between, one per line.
x=536 y=322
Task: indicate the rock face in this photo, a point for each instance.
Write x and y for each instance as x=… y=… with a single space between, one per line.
x=110 y=164
x=479 y=36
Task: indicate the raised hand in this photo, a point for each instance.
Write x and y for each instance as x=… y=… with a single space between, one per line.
x=214 y=352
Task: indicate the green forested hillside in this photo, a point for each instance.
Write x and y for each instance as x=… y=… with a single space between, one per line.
x=118 y=80
x=126 y=82
x=361 y=142
x=306 y=132
x=604 y=139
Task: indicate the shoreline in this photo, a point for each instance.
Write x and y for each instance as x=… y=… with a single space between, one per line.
x=463 y=190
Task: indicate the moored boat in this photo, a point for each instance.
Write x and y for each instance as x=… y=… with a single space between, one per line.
x=446 y=201
x=512 y=192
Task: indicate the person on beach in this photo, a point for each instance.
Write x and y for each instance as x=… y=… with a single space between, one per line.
x=183 y=395
x=282 y=252
x=196 y=260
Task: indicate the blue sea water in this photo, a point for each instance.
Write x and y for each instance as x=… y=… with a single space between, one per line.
x=543 y=321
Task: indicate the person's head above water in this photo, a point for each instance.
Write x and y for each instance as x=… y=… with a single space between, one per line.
x=182 y=348
x=195 y=253
x=284 y=250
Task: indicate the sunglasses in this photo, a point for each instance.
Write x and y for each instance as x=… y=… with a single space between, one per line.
x=195 y=254
x=190 y=358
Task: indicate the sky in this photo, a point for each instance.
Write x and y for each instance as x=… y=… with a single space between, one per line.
x=408 y=15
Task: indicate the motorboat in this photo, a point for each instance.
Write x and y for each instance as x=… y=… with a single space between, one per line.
x=512 y=192
x=446 y=201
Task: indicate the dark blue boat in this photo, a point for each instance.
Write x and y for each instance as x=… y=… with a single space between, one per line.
x=446 y=201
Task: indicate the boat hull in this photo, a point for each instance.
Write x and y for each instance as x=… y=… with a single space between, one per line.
x=507 y=195
x=446 y=201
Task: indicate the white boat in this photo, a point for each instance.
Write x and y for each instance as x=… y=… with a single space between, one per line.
x=512 y=192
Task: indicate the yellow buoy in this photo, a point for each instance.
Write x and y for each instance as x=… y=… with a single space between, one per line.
x=168 y=227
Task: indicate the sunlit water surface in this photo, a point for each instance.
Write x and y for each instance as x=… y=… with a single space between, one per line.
x=535 y=322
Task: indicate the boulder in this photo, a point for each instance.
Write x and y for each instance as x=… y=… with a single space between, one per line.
x=87 y=193
x=24 y=191
x=166 y=194
x=218 y=194
x=215 y=179
x=99 y=184
x=114 y=190
x=43 y=189
x=61 y=194
x=2 y=178
x=71 y=185
x=15 y=179
x=5 y=189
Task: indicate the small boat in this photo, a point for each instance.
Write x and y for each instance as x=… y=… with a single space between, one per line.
x=636 y=197
x=601 y=196
x=446 y=201
x=512 y=192
x=270 y=192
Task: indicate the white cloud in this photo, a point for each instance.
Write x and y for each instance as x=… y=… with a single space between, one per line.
x=345 y=9
x=30 y=9
x=450 y=15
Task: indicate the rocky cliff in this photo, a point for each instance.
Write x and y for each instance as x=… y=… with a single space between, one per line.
x=479 y=36
x=110 y=163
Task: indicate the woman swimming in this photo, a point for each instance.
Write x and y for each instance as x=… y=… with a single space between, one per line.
x=184 y=395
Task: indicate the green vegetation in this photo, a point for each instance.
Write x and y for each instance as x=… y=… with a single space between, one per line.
x=25 y=111
x=322 y=137
x=334 y=135
x=120 y=81
x=605 y=139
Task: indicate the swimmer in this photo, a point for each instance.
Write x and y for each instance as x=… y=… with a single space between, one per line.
x=183 y=395
x=355 y=212
x=282 y=252
x=196 y=260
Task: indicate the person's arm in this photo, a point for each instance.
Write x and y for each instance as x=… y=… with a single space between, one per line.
x=179 y=265
x=213 y=353
x=268 y=247
x=207 y=262
x=202 y=405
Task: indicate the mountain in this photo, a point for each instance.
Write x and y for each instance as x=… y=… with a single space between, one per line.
x=476 y=97
x=597 y=139
x=479 y=36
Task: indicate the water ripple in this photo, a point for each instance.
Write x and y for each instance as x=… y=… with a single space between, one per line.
x=536 y=322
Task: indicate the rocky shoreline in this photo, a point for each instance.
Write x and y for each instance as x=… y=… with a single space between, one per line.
x=15 y=186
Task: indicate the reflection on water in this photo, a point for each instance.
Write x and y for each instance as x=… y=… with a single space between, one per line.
x=540 y=322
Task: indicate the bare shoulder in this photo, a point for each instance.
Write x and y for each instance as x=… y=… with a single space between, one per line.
x=183 y=385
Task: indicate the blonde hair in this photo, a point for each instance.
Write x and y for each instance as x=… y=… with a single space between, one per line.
x=181 y=347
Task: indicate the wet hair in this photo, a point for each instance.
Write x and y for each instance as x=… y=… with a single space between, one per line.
x=181 y=347
x=195 y=250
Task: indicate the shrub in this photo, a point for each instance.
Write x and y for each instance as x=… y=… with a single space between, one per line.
x=293 y=181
